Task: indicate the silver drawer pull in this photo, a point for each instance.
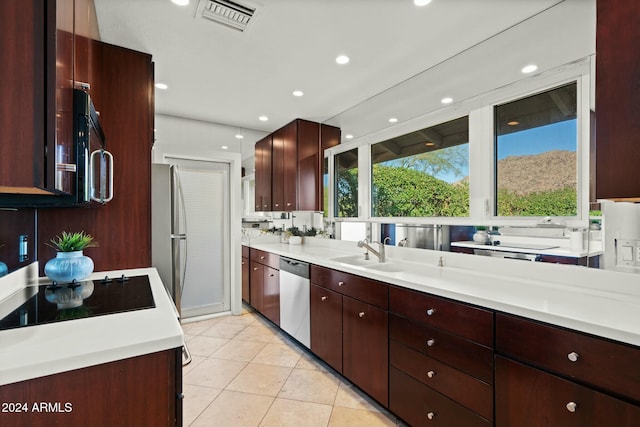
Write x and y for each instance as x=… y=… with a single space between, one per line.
x=289 y=204
x=572 y=406
x=431 y=311
x=431 y=342
x=323 y=298
x=361 y=314
x=255 y=268
x=340 y=283
x=573 y=356
x=431 y=415
x=431 y=374
x=261 y=257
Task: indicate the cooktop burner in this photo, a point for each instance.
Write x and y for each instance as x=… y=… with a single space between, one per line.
x=53 y=302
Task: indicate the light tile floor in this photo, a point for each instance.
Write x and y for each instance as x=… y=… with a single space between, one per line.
x=246 y=372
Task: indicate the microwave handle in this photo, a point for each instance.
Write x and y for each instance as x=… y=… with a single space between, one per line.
x=105 y=153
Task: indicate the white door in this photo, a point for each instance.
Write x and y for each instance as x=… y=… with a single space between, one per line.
x=202 y=213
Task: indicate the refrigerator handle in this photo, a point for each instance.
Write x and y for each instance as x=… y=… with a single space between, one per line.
x=180 y=205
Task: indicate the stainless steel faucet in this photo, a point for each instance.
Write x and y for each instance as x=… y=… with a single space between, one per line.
x=379 y=253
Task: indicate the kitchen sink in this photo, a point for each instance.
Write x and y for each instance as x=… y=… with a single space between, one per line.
x=386 y=267
x=357 y=260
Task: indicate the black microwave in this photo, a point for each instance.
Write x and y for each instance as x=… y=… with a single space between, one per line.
x=87 y=171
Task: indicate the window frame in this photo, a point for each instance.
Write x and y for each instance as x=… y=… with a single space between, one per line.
x=480 y=111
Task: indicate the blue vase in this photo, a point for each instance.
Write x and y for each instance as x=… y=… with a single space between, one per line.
x=3 y=269
x=69 y=266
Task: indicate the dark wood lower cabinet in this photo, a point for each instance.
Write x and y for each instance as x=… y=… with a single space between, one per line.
x=526 y=396
x=139 y=391
x=365 y=347
x=326 y=325
x=257 y=285
x=246 y=280
x=271 y=295
x=420 y=405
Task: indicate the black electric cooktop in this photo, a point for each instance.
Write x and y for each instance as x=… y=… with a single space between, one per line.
x=37 y=305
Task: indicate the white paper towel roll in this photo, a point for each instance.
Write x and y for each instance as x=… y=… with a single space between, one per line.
x=576 y=241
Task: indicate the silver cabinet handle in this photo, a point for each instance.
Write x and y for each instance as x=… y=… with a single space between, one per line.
x=361 y=314
x=573 y=356
x=431 y=374
x=255 y=268
x=323 y=298
x=277 y=204
x=340 y=283
x=261 y=257
x=431 y=342
x=572 y=406
x=288 y=204
x=431 y=312
x=431 y=415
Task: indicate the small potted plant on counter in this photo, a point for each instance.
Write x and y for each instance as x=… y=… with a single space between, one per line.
x=70 y=263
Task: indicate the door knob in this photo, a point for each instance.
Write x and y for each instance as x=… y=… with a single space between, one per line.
x=572 y=406
x=361 y=314
x=431 y=342
x=323 y=298
x=573 y=356
x=431 y=374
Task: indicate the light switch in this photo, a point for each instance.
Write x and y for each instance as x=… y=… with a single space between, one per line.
x=627 y=253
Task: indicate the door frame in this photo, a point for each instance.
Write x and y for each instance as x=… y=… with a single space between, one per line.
x=235 y=223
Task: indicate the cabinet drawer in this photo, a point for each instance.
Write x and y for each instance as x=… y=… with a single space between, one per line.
x=245 y=251
x=528 y=396
x=462 y=354
x=266 y=258
x=420 y=405
x=460 y=319
x=612 y=366
x=464 y=389
x=367 y=290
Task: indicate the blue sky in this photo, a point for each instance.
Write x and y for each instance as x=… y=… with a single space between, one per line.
x=557 y=136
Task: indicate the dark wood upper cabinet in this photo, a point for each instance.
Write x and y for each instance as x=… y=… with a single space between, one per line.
x=295 y=167
x=617 y=100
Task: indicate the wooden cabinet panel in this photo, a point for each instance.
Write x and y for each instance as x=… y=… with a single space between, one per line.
x=257 y=285
x=460 y=319
x=465 y=355
x=246 y=280
x=23 y=94
x=267 y=258
x=468 y=391
x=527 y=396
x=420 y=405
x=291 y=185
x=139 y=391
x=277 y=171
x=271 y=295
x=367 y=290
x=612 y=366
x=309 y=166
x=617 y=100
x=365 y=347
x=263 y=174
x=326 y=325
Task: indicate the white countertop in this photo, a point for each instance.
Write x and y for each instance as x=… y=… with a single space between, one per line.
x=599 y=302
x=36 y=351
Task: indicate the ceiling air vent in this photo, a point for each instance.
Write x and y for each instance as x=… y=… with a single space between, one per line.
x=229 y=13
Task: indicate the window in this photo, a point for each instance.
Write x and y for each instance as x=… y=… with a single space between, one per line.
x=346 y=184
x=423 y=173
x=536 y=154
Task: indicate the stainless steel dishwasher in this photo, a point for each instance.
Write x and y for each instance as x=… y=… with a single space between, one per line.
x=295 y=299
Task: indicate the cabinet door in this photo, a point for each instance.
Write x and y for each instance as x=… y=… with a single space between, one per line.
x=309 y=166
x=246 y=280
x=271 y=295
x=23 y=94
x=277 y=172
x=290 y=172
x=365 y=347
x=326 y=325
x=263 y=174
x=527 y=396
x=257 y=285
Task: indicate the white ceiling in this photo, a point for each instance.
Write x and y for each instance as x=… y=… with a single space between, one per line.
x=220 y=75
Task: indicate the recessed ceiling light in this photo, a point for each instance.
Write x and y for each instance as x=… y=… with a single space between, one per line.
x=181 y=2
x=224 y=147
x=342 y=59
x=529 y=68
x=513 y=123
x=348 y=136
x=162 y=86
x=430 y=144
x=446 y=100
x=298 y=93
x=263 y=118
x=239 y=136
x=393 y=120
x=421 y=2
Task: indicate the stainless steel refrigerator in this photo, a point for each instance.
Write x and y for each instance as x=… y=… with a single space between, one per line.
x=190 y=234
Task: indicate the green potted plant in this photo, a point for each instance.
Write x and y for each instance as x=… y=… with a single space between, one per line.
x=70 y=263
